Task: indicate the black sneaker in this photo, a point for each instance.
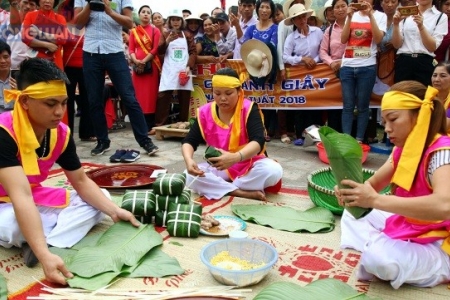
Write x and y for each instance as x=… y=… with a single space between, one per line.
x=118 y=155
x=150 y=148
x=100 y=148
x=130 y=156
x=29 y=258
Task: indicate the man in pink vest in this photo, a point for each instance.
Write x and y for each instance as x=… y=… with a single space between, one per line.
x=33 y=138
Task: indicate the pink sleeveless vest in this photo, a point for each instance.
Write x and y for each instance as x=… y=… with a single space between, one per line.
x=419 y=231
x=44 y=196
x=217 y=134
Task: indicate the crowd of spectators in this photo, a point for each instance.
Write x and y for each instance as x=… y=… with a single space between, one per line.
x=160 y=53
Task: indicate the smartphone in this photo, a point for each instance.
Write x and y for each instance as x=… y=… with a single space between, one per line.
x=358 y=6
x=408 y=10
x=234 y=10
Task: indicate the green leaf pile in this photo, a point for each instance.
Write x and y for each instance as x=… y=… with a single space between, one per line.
x=316 y=219
x=322 y=289
x=123 y=250
x=344 y=154
x=3 y=289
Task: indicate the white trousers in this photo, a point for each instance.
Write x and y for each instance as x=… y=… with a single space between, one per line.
x=63 y=227
x=215 y=184
x=397 y=261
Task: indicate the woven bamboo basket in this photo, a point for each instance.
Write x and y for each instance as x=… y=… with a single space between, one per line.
x=321 y=189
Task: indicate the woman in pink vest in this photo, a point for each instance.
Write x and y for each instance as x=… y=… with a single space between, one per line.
x=406 y=237
x=33 y=139
x=234 y=126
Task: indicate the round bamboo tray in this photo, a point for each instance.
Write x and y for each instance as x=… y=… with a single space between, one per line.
x=321 y=189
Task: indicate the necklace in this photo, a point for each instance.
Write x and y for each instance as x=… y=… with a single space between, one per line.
x=44 y=146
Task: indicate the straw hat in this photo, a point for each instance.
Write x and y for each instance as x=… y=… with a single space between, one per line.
x=257 y=58
x=297 y=10
x=287 y=4
x=321 y=11
x=192 y=17
x=175 y=13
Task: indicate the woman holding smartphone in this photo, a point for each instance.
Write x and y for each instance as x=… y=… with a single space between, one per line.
x=180 y=55
x=363 y=30
x=417 y=37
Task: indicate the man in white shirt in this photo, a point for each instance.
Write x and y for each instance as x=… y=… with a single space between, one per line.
x=5 y=65
x=246 y=9
x=19 y=50
x=227 y=39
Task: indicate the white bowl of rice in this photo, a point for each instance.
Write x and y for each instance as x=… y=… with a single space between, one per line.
x=239 y=262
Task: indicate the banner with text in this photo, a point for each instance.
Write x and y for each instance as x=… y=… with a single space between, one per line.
x=303 y=88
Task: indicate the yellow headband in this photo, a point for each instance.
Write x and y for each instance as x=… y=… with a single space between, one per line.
x=26 y=138
x=415 y=142
x=225 y=81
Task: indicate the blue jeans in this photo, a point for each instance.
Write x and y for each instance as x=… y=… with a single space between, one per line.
x=94 y=67
x=356 y=84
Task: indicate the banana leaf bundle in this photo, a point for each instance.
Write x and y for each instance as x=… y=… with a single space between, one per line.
x=183 y=220
x=162 y=201
x=211 y=152
x=3 y=290
x=140 y=203
x=169 y=184
x=345 y=155
x=161 y=218
x=144 y=219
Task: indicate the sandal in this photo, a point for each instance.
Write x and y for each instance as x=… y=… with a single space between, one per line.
x=267 y=138
x=285 y=139
x=298 y=142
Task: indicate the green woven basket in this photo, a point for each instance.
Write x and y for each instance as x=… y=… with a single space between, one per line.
x=321 y=189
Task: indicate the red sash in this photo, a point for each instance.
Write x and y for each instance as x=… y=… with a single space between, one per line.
x=146 y=43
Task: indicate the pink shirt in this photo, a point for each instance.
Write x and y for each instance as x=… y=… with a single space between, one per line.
x=336 y=47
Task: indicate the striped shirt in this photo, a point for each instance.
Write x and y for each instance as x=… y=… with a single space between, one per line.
x=103 y=34
x=438 y=159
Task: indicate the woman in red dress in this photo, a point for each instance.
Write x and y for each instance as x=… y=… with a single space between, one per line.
x=143 y=47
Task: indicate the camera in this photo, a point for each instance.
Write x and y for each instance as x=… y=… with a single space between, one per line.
x=96 y=5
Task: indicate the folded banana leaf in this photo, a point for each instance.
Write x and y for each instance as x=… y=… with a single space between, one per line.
x=321 y=289
x=122 y=244
x=169 y=184
x=140 y=203
x=316 y=219
x=344 y=154
x=3 y=290
x=162 y=201
x=183 y=220
x=212 y=152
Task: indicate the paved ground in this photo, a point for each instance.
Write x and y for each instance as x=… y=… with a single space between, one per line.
x=297 y=161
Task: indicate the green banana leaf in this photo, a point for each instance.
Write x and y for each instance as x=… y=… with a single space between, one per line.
x=344 y=154
x=122 y=244
x=322 y=289
x=316 y=219
x=3 y=289
x=155 y=263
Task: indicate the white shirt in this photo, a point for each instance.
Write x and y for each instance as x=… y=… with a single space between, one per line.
x=19 y=50
x=226 y=44
x=412 y=42
x=283 y=32
x=381 y=20
x=298 y=45
x=244 y=26
x=103 y=34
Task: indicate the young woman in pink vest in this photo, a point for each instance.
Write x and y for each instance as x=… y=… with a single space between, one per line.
x=234 y=126
x=33 y=139
x=405 y=239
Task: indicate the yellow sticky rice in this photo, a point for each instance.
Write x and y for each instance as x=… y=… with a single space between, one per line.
x=225 y=261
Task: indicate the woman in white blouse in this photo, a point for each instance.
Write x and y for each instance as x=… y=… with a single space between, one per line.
x=302 y=48
x=416 y=38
